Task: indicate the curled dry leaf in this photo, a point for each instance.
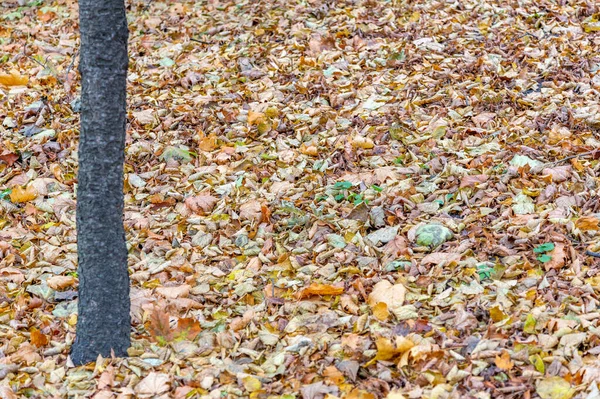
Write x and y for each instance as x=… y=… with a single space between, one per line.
x=251 y=210
x=61 y=282
x=319 y=289
x=559 y=257
x=391 y=295
x=201 y=204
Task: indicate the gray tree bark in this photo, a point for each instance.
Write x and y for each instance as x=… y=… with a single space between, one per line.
x=103 y=324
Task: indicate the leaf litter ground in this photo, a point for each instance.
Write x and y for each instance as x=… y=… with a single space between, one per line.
x=324 y=199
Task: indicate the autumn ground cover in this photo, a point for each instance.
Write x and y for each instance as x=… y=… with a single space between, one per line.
x=324 y=199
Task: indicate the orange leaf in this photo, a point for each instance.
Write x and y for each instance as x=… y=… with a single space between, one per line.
x=19 y=194
x=14 y=79
x=187 y=328
x=587 y=223
x=37 y=338
x=319 y=289
x=208 y=143
x=159 y=327
x=9 y=157
x=503 y=361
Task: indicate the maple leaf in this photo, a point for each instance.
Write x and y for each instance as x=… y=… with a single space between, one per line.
x=188 y=328
x=37 y=338
x=503 y=361
x=159 y=326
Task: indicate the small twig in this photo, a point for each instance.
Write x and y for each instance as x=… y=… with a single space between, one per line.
x=45 y=66
x=199 y=41
x=71 y=64
x=581 y=154
x=593 y=254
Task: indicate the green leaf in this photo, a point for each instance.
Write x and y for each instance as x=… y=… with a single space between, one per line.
x=342 y=185
x=376 y=188
x=547 y=247
x=544 y=258
x=167 y=62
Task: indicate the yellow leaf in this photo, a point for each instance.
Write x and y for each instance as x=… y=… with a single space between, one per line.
x=503 y=361
x=362 y=142
x=529 y=326
x=14 y=79
x=380 y=311
x=254 y=118
x=497 y=314
x=360 y=394
x=554 y=388
x=19 y=194
x=537 y=362
x=251 y=384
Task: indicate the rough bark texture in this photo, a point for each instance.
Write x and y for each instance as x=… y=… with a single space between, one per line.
x=103 y=323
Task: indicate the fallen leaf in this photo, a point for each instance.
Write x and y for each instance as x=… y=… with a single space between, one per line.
x=319 y=289
x=391 y=295
x=37 y=338
x=203 y=203
x=251 y=384
x=559 y=257
x=20 y=195
x=554 y=388
x=179 y=291
x=14 y=79
x=9 y=158
x=503 y=361
x=472 y=180
x=61 y=282
x=587 y=223
x=362 y=142
x=159 y=326
x=153 y=384
x=188 y=328
x=251 y=210
x=381 y=311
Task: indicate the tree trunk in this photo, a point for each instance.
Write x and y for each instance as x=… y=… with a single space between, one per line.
x=103 y=324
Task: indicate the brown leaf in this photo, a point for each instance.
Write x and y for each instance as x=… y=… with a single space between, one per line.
x=559 y=257
x=159 y=327
x=251 y=210
x=187 y=328
x=61 y=282
x=180 y=291
x=472 y=180
x=201 y=204
x=319 y=289
x=9 y=158
x=37 y=338
x=6 y=392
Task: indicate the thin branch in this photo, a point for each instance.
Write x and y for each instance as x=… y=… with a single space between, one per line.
x=593 y=254
x=581 y=154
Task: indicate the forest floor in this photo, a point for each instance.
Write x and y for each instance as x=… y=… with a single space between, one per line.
x=324 y=199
